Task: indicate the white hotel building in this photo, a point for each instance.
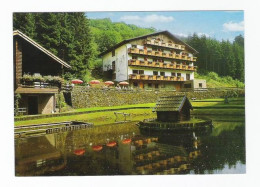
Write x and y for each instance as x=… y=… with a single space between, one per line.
x=158 y=60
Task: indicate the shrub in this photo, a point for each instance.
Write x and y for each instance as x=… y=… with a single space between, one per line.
x=37 y=78
x=227 y=79
x=27 y=77
x=48 y=78
x=213 y=75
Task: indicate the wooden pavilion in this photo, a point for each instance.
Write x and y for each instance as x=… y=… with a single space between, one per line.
x=173 y=108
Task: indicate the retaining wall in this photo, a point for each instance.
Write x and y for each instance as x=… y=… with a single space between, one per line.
x=83 y=97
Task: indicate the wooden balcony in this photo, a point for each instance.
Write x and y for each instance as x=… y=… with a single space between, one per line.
x=194 y=59
x=161 y=65
x=155 y=77
x=160 y=54
x=164 y=44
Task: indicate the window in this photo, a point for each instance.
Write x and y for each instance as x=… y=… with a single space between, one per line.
x=187 y=85
x=187 y=76
x=138 y=71
x=161 y=60
x=162 y=73
x=155 y=72
x=178 y=74
x=113 y=65
x=173 y=74
x=113 y=53
x=200 y=85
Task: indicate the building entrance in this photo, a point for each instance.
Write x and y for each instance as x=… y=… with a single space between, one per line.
x=32 y=105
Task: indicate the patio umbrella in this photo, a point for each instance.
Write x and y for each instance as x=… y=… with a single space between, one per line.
x=109 y=83
x=94 y=82
x=123 y=83
x=77 y=81
x=126 y=141
x=111 y=144
x=79 y=152
x=97 y=147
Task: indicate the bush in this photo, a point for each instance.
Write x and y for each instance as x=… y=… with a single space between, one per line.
x=213 y=75
x=27 y=77
x=48 y=78
x=227 y=79
x=37 y=78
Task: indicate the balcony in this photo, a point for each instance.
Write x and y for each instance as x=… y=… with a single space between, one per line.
x=168 y=45
x=194 y=59
x=161 y=65
x=160 y=54
x=155 y=77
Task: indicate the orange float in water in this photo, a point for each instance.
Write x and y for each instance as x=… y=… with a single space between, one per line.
x=126 y=141
x=97 y=148
x=79 y=152
x=111 y=144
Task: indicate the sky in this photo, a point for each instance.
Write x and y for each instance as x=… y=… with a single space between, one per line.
x=215 y=24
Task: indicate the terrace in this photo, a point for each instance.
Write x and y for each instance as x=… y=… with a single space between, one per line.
x=154 y=53
x=155 y=77
x=168 y=45
x=153 y=64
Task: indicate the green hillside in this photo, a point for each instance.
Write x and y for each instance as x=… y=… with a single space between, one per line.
x=78 y=40
x=215 y=81
x=107 y=33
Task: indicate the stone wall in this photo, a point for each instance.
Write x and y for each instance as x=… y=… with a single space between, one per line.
x=83 y=97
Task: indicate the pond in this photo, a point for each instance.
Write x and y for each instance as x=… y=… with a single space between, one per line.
x=121 y=149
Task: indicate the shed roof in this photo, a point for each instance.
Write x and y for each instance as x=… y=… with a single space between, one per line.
x=145 y=36
x=21 y=90
x=31 y=41
x=171 y=103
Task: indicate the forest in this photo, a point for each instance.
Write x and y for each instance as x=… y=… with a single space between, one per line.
x=78 y=40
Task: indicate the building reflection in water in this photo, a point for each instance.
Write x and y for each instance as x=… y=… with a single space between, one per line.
x=36 y=156
x=95 y=152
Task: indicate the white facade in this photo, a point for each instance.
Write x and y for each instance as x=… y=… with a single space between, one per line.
x=118 y=59
x=122 y=69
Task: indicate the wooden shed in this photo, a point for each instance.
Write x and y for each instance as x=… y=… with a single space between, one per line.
x=173 y=108
x=29 y=57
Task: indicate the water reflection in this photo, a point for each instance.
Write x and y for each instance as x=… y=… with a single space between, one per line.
x=122 y=149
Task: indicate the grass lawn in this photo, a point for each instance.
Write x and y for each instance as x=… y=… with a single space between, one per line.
x=115 y=107
x=201 y=107
x=98 y=118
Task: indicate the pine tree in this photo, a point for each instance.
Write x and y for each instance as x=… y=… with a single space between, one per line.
x=25 y=22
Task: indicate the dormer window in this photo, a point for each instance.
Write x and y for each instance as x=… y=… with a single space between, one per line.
x=113 y=53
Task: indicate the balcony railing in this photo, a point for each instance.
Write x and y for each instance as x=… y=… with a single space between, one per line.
x=165 y=44
x=155 y=77
x=152 y=64
x=161 y=54
x=39 y=84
